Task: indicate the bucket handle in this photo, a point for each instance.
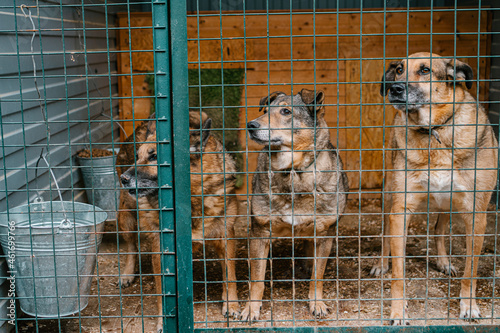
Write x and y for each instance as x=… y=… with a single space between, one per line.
x=65 y=225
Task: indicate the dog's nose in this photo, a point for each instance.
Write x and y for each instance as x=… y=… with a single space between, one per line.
x=124 y=179
x=253 y=125
x=397 y=88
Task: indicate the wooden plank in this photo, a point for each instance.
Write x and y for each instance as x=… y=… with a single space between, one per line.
x=368 y=47
x=281 y=24
x=139 y=42
x=233 y=53
x=361 y=115
x=136 y=106
x=301 y=24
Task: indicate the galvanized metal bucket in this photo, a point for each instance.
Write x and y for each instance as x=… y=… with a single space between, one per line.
x=101 y=182
x=52 y=258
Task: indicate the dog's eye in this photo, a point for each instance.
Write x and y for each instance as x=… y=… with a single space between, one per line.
x=425 y=70
x=400 y=70
x=285 y=112
x=152 y=157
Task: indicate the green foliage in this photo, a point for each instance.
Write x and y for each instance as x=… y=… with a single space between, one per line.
x=220 y=99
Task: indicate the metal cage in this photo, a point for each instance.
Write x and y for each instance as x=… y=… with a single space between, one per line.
x=169 y=92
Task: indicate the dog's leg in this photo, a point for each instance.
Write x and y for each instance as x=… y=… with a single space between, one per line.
x=443 y=228
x=154 y=240
x=475 y=226
x=382 y=265
x=309 y=252
x=226 y=249
x=259 y=248
x=316 y=305
x=127 y=224
x=398 y=230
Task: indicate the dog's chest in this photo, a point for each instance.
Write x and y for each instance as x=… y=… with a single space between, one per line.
x=440 y=184
x=298 y=200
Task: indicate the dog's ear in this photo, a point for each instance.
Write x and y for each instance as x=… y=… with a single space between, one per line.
x=266 y=101
x=207 y=125
x=460 y=71
x=389 y=76
x=151 y=129
x=313 y=101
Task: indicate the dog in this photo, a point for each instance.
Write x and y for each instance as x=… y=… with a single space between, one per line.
x=127 y=212
x=214 y=205
x=300 y=163
x=139 y=202
x=441 y=143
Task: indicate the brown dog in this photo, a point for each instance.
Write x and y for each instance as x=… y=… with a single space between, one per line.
x=301 y=166
x=444 y=154
x=139 y=201
x=128 y=213
x=214 y=205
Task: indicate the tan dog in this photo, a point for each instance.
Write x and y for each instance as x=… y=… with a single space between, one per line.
x=214 y=205
x=443 y=149
x=139 y=200
x=128 y=213
x=300 y=165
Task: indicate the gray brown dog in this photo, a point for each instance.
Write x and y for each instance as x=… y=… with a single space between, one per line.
x=443 y=154
x=299 y=189
x=213 y=201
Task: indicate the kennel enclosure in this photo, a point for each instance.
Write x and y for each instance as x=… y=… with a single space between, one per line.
x=95 y=70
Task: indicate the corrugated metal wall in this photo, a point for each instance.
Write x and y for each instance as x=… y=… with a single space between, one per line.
x=75 y=79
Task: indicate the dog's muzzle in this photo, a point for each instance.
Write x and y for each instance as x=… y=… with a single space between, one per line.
x=125 y=180
x=397 y=93
x=127 y=183
x=404 y=97
x=252 y=125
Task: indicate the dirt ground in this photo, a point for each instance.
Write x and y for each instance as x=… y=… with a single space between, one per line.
x=354 y=297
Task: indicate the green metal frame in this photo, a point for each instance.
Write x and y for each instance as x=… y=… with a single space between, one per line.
x=172 y=103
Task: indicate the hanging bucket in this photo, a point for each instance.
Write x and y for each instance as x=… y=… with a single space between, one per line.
x=52 y=259
x=101 y=182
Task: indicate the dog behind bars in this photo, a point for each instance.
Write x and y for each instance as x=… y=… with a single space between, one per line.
x=213 y=201
x=444 y=155
x=299 y=189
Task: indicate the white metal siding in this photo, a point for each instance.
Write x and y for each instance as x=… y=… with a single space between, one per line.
x=75 y=79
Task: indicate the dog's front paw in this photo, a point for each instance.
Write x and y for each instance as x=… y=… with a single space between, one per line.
x=231 y=309
x=469 y=310
x=126 y=280
x=447 y=268
x=379 y=269
x=251 y=311
x=318 y=309
x=398 y=319
x=159 y=325
x=399 y=322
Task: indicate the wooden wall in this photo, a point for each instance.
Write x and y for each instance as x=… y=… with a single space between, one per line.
x=325 y=53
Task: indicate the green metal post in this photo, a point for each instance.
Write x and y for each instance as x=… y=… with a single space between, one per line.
x=170 y=45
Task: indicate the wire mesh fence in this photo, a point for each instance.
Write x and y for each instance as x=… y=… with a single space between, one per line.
x=268 y=165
